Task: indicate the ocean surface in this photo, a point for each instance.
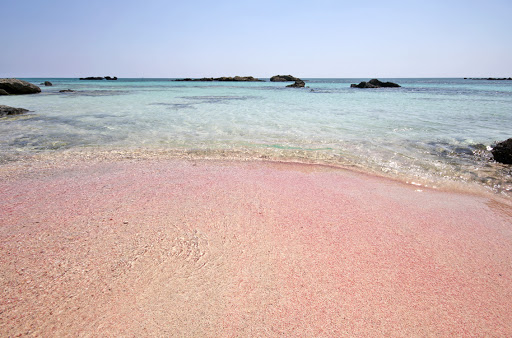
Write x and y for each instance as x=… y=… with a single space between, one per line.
x=433 y=132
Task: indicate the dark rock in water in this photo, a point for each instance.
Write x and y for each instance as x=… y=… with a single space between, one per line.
x=92 y=78
x=3 y=92
x=283 y=78
x=204 y=79
x=6 y=110
x=224 y=78
x=493 y=78
x=298 y=84
x=502 y=152
x=378 y=83
x=17 y=87
x=363 y=84
x=238 y=78
x=66 y=91
x=374 y=83
x=111 y=78
x=47 y=83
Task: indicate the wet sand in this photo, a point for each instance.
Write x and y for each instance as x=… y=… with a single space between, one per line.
x=193 y=248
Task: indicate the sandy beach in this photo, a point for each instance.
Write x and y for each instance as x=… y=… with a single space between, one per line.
x=196 y=248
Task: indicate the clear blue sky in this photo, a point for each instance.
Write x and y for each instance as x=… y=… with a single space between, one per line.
x=157 y=38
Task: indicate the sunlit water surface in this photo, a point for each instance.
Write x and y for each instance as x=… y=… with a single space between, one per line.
x=433 y=131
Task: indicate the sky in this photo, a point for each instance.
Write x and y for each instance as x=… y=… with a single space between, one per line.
x=321 y=38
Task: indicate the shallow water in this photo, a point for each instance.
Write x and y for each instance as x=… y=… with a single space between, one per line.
x=432 y=131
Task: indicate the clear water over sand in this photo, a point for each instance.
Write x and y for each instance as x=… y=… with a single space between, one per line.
x=431 y=131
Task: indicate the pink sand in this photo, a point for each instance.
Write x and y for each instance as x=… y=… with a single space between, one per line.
x=211 y=248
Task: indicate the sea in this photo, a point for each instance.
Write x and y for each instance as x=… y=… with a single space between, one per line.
x=430 y=132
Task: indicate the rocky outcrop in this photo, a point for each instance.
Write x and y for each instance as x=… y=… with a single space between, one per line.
x=374 y=83
x=47 y=83
x=66 y=91
x=3 y=92
x=502 y=152
x=283 y=78
x=99 y=78
x=6 y=110
x=491 y=78
x=203 y=79
x=18 y=87
x=298 y=84
x=238 y=78
x=224 y=78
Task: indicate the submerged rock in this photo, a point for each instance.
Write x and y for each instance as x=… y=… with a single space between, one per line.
x=502 y=152
x=375 y=83
x=298 y=84
x=66 y=91
x=18 y=87
x=6 y=110
x=283 y=78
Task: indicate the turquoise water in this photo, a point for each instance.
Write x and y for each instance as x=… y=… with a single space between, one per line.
x=433 y=131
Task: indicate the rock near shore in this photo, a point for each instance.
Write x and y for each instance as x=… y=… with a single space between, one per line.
x=374 y=83
x=18 y=87
x=502 y=152
x=6 y=110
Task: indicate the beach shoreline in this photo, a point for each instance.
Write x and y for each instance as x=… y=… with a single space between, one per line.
x=145 y=245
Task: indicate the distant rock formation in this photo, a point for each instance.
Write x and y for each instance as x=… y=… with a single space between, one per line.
x=66 y=91
x=18 y=87
x=374 y=83
x=502 y=152
x=490 y=78
x=99 y=78
x=47 y=83
x=298 y=84
x=224 y=78
x=283 y=78
x=204 y=79
x=6 y=110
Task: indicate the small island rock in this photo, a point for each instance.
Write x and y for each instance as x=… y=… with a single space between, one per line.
x=18 y=87
x=224 y=79
x=502 y=152
x=374 y=83
x=48 y=83
x=6 y=110
x=283 y=78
